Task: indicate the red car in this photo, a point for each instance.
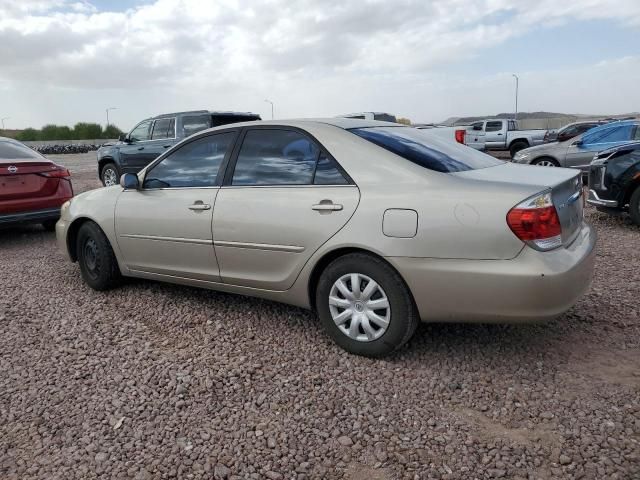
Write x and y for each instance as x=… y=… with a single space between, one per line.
x=32 y=188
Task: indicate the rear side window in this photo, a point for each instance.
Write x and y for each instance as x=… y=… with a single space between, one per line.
x=619 y=133
x=432 y=153
x=163 y=128
x=195 y=164
x=493 y=126
x=12 y=150
x=195 y=123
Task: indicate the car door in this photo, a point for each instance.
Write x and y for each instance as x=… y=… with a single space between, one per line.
x=163 y=137
x=283 y=198
x=582 y=149
x=494 y=134
x=134 y=155
x=164 y=227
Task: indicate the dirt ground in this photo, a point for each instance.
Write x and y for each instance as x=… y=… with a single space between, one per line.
x=160 y=381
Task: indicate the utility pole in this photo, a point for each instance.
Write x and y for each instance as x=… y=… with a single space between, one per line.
x=107 y=110
x=269 y=101
x=5 y=118
x=515 y=117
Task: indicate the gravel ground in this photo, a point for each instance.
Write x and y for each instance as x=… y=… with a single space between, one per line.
x=160 y=381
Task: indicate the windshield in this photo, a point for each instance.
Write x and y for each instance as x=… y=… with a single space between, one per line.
x=428 y=152
x=16 y=150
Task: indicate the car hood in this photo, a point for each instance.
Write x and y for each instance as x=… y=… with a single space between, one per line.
x=546 y=148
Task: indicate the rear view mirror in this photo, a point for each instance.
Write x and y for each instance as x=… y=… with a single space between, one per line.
x=129 y=181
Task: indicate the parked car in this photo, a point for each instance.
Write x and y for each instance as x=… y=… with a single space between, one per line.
x=614 y=180
x=371 y=224
x=467 y=135
x=580 y=150
x=32 y=188
x=153 y=136
x=381 y=116
x=569 y=131
x=506 y=135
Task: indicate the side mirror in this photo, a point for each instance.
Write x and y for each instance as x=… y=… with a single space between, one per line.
x=129 y=181
x=122 y=137
x=578 y=143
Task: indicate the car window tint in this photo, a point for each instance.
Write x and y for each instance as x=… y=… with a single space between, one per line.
x=162 y=128
x=195 y=164
x=275 y=157
x=141 y=132
x=493 y=126
x=12 y=150
x=327 y=172
x=428 y=152
x=195 y=123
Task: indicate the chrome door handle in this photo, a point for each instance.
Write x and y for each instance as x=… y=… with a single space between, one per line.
x=324 y=207
x=200 y=206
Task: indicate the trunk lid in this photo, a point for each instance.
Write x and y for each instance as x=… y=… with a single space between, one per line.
x=565 y=185
x=23 y=178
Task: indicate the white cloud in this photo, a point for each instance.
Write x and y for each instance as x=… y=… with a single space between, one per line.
x=314 y=57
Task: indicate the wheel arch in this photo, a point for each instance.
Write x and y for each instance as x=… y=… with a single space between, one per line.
x=631 y=188
x=545 y=157
x=104 y=160
x=521 y=140
x=328 y=257
x=72 y=235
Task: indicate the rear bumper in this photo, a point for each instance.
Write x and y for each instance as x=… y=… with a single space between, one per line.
x=534 y=286
x=35 y=216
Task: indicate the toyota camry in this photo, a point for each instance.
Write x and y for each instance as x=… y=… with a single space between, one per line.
x=375 y=226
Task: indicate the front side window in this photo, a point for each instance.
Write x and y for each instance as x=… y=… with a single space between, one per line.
x=195 y=164
x=141 y=132
x=428 y=152
x=619 y=133
x=493 y=126
x=10 y=150
x=275 y=157
x=195 y=123
x=163 y=128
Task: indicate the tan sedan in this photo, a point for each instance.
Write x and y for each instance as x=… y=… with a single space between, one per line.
x=374 y=225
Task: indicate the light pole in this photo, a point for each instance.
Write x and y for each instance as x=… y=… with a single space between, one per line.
x=5 y=118
x=515 y=117
x=107 y=110
x=269 y=101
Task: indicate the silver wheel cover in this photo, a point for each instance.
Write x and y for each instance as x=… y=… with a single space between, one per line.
x=359 y=307
x=546 y=163
x=110 y=178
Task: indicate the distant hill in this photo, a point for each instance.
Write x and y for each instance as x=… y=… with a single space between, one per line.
x=553 y=117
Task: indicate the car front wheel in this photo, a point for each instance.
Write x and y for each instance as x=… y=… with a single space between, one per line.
x=109 y=175
x=365 y=306
x=98 y=263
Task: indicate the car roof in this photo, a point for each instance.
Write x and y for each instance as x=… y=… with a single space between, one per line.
x=203 y=112
x=10 y=140
x=609 y=125
x=344 y=123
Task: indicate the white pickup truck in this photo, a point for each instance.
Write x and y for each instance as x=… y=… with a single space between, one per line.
x=505 y=135
x=468 y=135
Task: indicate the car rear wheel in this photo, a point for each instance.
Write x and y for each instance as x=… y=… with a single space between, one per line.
x=98 y=263
x=545 y=162
x=516 y=147
x=365 y=306
x=109 y=175
x=634 y=206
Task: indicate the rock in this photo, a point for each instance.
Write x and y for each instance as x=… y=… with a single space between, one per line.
x=101 y=456
x=221 y=472
x=565 y=459
x=345 y=441
x=271 y=442
x=181 y=389
x=496 y=472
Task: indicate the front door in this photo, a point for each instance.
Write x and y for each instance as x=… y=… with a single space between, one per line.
x=287 y=197
x=165 y=226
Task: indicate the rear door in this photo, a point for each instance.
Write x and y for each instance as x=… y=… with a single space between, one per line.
x=284 y=196
x=495 y=134
x=163 y=136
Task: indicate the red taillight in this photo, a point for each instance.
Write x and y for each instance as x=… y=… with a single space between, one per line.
x=536 y=222
x=460 y=136
x=58 y=172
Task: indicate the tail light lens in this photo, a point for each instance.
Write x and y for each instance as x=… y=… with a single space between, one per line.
x=58 y=172
x=460 y=136
x=535 y=221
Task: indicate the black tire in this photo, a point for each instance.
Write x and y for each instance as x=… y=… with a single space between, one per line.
x=49 y=225
x=107 y=168
x=634 y=206
x=517 y=146
x=538 y=161
x=98 y=263
x=403 y=316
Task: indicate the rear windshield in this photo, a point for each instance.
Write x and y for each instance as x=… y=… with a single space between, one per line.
x=16 y=150
x=428 y=152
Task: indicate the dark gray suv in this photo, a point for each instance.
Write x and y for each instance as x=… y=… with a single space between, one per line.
x=151 y=137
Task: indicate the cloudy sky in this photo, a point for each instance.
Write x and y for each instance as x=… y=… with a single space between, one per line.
x=66 y=61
